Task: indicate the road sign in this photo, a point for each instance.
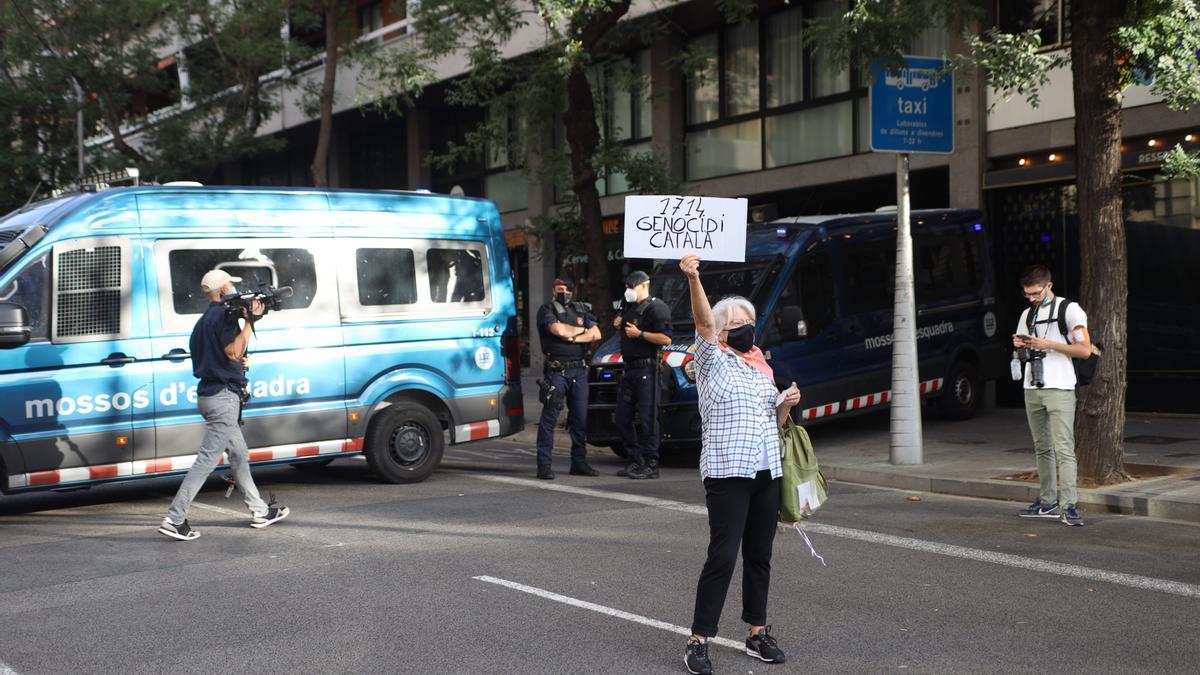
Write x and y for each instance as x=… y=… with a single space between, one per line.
x=912 y=110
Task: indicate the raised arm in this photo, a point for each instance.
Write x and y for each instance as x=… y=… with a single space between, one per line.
x=701 y=310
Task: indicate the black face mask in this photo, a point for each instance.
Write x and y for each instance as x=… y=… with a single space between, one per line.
x=562 y=298
x=741 y=338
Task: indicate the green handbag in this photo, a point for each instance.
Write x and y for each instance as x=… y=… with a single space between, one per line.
x=803 y=486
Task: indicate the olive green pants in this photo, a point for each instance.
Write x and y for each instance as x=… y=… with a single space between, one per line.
x=1051 y=414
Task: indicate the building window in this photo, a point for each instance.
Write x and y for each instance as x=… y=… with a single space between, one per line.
x=1051 y=18
x=370 y=17
x=761 y=100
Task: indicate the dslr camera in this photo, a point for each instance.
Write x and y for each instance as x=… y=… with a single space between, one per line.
x=1037 y=368
x=271 y=298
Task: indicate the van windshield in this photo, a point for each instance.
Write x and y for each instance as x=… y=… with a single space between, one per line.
x=720 y=279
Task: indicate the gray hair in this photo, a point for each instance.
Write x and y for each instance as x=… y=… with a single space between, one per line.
x=721 y=310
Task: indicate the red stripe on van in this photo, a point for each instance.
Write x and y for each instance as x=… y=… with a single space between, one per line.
x=308 y=451
x=352 y=445
x=44 y=477
x=261 y=455
x=106 y=471
x=479 y=430
x=159 y=465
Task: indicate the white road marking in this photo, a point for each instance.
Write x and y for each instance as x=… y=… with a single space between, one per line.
x=5 y=670
x=583 y=604
x=218 y=509
x=1179 y=588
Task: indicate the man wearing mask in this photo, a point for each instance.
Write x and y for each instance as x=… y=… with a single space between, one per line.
x=1050 y=403
x=645 y=327
x=565 y=327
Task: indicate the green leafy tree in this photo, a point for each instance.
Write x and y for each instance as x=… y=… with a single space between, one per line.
x=1111 y=40
x=549 y=92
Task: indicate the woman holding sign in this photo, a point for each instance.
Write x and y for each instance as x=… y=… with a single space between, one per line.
x=741 y=412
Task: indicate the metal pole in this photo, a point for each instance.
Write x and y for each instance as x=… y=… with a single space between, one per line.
x=906 y=395
x=79 y=126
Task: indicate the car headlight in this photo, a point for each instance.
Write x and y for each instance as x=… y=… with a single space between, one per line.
x=689 y=370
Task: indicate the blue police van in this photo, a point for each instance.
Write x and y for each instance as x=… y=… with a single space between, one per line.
x=400 y=334
x=823 y=289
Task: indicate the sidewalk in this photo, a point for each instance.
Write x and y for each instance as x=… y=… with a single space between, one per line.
x=991 y=456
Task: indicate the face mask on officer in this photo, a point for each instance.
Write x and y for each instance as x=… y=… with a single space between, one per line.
x=741 y=338
x=630 y=295
x=562 y=297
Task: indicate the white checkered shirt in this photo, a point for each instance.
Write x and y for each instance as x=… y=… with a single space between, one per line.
x=737 y=415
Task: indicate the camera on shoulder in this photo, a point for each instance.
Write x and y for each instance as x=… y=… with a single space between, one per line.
x=271 y=298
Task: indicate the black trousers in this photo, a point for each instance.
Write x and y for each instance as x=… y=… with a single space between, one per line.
x=741 y=511
x=637 y=412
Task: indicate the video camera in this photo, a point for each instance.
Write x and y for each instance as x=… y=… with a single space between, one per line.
x=271 y=298
x=1037 y=368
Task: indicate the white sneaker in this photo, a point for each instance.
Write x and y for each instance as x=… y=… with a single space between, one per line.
x=273 y=515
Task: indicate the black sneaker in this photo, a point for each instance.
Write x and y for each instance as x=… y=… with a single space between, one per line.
x=545 y=472
x=628 y=467
x=273 y=515
x=583 y=469
x=763 y=647
x=639 y=472
x=652 y=468
x=182 y=532
x=695 y=658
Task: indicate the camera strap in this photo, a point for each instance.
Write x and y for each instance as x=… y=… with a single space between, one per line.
x=1031 y=320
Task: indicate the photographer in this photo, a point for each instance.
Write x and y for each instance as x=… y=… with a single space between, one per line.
x=218 y=346
x=1050 y=383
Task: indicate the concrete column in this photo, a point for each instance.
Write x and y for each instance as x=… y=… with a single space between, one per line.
x=416 y=122
x=667 y=99
x=968 y=161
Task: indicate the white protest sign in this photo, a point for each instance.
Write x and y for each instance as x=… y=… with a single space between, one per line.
x=666 y=226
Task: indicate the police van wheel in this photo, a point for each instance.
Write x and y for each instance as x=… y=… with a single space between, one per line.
x=960 y=398
x=405 y=444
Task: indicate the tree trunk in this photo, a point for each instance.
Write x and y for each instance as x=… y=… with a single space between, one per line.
x=321 y=156
x=1100 y=420
x=583 y=137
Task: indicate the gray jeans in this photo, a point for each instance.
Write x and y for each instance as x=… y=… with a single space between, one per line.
x=221 y=434
x=1051 y=414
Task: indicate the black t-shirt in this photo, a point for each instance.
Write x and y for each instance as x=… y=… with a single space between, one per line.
x=652 y=316
x=573 y=314
x=209 y=363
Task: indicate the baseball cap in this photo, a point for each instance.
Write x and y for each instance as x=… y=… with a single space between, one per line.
x=215 y=279
x=564 y=280
x=636 y=278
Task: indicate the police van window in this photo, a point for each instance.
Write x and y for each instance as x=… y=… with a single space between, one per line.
x=91 y=289
x=942 y=268
x=455 y=275
x=293 y=267
x=811 y=289
x=31 y=290
x=386 y=276
x=869 y=277
x=719 y=278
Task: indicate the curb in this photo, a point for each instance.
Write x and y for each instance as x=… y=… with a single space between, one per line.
x=1134 y=500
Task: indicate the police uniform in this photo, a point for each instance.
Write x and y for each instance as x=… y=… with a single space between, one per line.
x=638 y=390
x=566 y=371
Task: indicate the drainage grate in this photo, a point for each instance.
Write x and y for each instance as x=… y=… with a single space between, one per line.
x=1157 y=440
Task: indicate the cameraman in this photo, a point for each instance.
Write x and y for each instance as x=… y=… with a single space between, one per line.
x=218 y=349
x=1050 y=404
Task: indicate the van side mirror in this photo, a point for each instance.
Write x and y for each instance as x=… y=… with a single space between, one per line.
x=14 y=325
x=791 y=323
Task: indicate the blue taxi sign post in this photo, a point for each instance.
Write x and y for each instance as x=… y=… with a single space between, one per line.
x=912 y=110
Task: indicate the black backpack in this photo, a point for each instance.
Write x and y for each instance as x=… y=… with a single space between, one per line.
x=1085 y=369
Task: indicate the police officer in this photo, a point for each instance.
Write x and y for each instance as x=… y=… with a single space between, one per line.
x=566 y=328
x=645 y=327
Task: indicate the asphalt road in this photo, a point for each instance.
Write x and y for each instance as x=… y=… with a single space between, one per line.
x=484 y=569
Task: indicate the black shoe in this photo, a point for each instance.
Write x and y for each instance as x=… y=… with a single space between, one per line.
x=628 y=467
x=273 y=515
x=583 y=469
x=639 y=472
x=695 y=658
x=545 y=472
x=652 y=468
x=763 y=647
x=182 y=532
